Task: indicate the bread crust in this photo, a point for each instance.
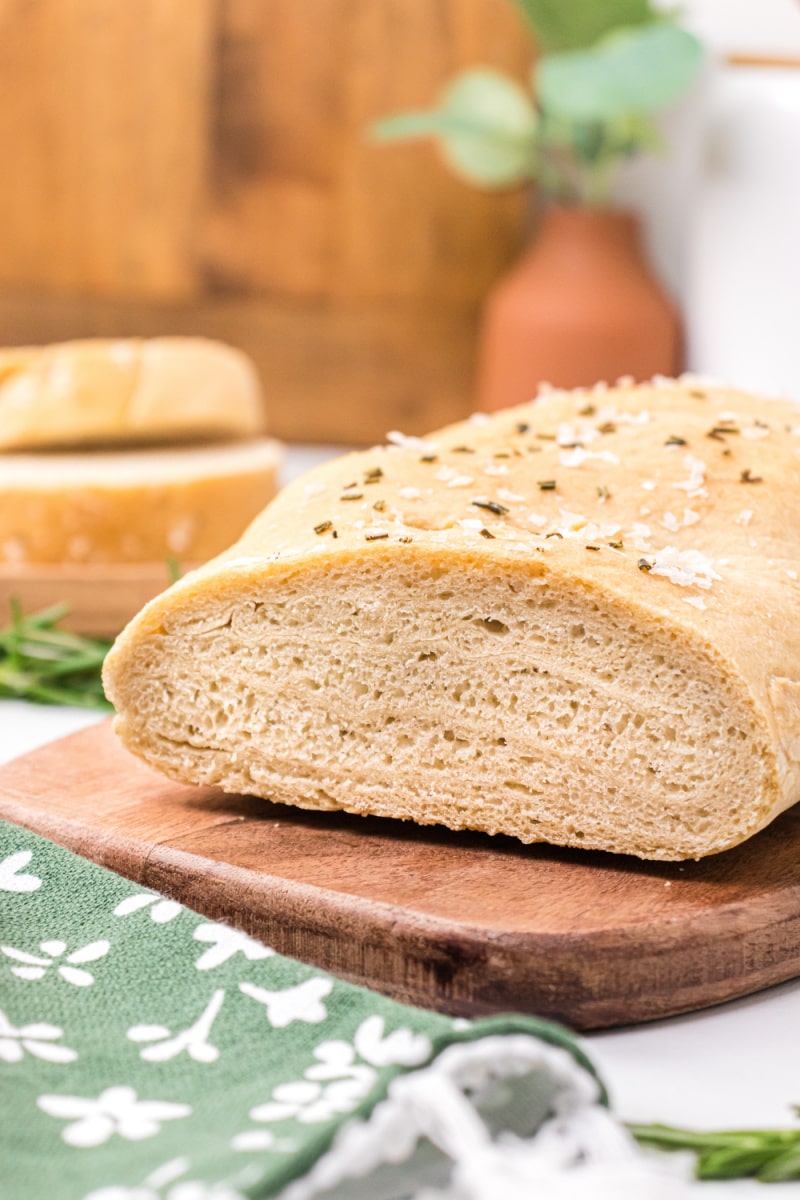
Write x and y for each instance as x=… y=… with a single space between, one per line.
x=674 y=507
x=126 y=391
x=134 y=506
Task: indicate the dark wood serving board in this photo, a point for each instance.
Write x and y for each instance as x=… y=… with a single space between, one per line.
x=460 y=922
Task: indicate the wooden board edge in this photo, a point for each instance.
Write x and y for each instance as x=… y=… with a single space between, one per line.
x=421 y=960
x=430 y=962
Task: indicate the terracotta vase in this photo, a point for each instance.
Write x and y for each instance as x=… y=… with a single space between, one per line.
x=581 y=306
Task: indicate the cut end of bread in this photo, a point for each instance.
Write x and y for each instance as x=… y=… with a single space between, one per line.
x=502 y=700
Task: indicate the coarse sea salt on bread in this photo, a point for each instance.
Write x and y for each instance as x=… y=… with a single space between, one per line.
x=577 y=621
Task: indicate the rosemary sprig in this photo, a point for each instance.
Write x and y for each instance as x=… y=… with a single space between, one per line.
x=40 y=662
x=769 y=1155
x=174 y=571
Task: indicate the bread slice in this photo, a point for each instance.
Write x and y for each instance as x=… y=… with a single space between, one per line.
x=132 y=506
x=577 y=621
x=101 y=392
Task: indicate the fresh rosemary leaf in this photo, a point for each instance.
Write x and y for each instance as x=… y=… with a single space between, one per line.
x=784 y=1167
x=48 y=665
x=769 y=1155
x=732 y=1162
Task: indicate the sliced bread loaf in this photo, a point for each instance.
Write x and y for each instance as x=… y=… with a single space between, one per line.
x=577 y=622
x=104 y=392
x=132 y=506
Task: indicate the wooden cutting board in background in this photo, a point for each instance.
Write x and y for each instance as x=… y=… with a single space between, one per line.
x=101 y=597
x=459 y=922
x=204 y=167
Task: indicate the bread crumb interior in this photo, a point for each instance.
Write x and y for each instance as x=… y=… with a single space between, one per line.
x=496 y=699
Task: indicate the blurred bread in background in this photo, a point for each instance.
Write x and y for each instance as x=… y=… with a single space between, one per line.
x=109 y=392
x=123 y=462
x=133 y=506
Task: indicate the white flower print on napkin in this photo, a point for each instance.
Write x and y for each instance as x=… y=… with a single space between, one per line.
x=116 y=1110
x=161 y=910
x=256 y=1140
x=311 y=1103
x=38 y=1040
x=401 y=1048
x=337 y=1082
x=225 y=942
x=187 y=1189
x=253 y=1139
x=36 y=967
x=193 y=1040
x=164 y=1176
x=300 y=1003
x=12 y=876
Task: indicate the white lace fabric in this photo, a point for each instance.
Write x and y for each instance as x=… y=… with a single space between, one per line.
x=504 y=1118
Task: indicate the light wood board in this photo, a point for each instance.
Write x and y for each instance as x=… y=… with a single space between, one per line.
x=101 y=598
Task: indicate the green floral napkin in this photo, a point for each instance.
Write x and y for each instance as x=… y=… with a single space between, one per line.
x=147 y=1053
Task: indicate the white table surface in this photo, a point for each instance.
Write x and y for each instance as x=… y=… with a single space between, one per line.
x=736 y=1065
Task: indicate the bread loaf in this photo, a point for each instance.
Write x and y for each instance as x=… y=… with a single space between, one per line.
x=105 y=392
x=577 y=621
x=132 y=506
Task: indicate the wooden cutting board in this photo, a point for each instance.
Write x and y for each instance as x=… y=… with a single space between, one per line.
x=101 y=598
x=464 y=923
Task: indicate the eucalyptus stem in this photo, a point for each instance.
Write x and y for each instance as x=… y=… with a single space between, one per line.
x=599 y=183
x=559 y=175
x=43 y=663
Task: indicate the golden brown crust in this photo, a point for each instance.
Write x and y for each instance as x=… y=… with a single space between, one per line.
x=678 y=503
x=135 y=506
x=128 y=391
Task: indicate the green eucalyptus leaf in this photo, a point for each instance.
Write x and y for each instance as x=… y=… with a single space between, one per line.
x=635 y=70
x=574 y=24
x=635 y=132
x=486 y=127
x=589 y=142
